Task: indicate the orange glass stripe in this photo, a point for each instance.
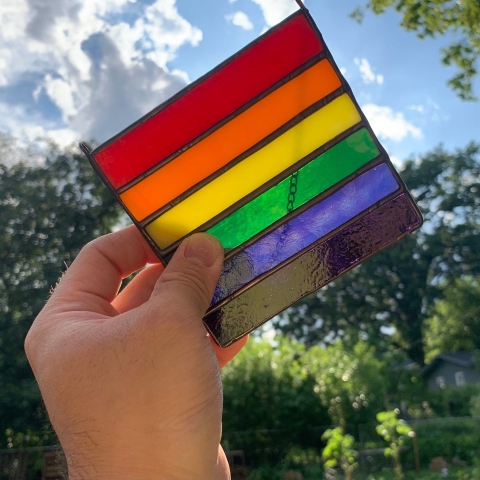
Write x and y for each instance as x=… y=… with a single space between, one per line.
x=209 y=100
x=230 y=140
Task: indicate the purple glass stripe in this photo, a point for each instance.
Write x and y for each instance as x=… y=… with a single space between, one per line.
x=305 y=229
x=314 y=269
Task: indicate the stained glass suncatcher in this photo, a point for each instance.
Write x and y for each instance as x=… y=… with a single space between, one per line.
x=271 y=154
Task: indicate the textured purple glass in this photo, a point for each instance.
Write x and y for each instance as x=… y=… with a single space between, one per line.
x=312 y=270
x=305 y=229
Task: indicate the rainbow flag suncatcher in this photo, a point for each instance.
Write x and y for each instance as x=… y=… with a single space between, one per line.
x=270 y=153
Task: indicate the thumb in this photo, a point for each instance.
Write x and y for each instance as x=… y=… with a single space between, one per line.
x=190 y=278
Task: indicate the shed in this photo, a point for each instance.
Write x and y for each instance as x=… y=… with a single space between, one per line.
x=452 y=369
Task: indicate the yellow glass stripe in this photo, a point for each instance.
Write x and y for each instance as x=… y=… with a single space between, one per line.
x=230 y=140
x=257 y=169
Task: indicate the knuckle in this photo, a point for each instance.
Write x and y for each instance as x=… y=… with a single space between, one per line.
x=30 y=344
x=192 y=281
x=92 y=245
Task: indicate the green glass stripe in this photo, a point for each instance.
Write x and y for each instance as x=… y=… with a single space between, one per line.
x=321 y=173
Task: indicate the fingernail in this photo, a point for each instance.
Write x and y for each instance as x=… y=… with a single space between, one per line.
x=203 y=249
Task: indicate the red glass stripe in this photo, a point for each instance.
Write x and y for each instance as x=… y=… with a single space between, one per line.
x=244 y=77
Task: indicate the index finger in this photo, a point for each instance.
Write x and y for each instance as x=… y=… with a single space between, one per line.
x=94 y=278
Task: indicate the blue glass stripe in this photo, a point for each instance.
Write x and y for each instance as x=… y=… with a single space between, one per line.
x=304 y=229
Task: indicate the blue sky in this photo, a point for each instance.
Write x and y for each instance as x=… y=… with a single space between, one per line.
x=80 y=70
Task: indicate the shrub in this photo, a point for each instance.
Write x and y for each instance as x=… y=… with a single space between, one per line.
x=396 y=432
x=453 y=401
x=448 y=438
x=475 y=406
x=339 y=451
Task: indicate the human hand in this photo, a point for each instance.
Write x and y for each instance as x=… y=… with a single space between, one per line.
x=131 y=381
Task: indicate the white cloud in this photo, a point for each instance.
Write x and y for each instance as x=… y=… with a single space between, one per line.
x=275 y=11
x=182 y=75
x=100 y=71
x=396 y=161
x=240 y=19
x=430 y=111
x=366 y=71
x=31 y=127
x=62 y=94
x=3 y=67
x=388 y=124
x=417 y=108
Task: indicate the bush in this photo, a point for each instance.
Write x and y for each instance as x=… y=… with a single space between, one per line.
x=309 y=472
x=267 y=473
x=475 y=406
x=453 y=401
x=448 y=438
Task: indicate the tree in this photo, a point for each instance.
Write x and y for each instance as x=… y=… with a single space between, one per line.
x=431 y=18
x=52 y=204
x=269 y=401
x=454 y=324
x=350 y=383
x=396 y=432
x=397 y=287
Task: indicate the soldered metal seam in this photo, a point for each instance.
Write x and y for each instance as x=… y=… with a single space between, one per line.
x=275 y=181
x=144 y=189
x=344 y=112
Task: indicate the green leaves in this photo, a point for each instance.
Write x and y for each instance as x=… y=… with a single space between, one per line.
x=339 y=451
x=394 y=431
x=430 y=18
x=454 y=323
x=347 y=382
x=268 y=393
x=52 y=204
x=275 y=393
x=398 y=287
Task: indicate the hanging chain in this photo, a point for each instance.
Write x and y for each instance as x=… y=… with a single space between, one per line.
x=293 y=191
x=294 y=177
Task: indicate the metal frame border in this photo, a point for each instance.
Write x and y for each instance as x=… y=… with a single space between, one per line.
x=295 y=73
x=399 y=191
x=165 y=254
x=313 y=246
x=199 y=80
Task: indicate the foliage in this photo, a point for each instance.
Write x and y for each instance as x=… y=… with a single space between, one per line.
x=395 y=431
x=398 y=286
x=404 y=385
x=455 y=473
x=431 y=18
x=475 y=406
x=22 y=442
x=52 y=204
x=454 y=324
x=276 y=398
x=469 y=474
x=267 y=473
x=465 y=473
x=339 y=451
x=269 y=400
x=279 y=472
x=448 y=438
x=453 y=401
x=347 y=382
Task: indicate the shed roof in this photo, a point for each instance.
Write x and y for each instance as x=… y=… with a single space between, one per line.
x=462 y=359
